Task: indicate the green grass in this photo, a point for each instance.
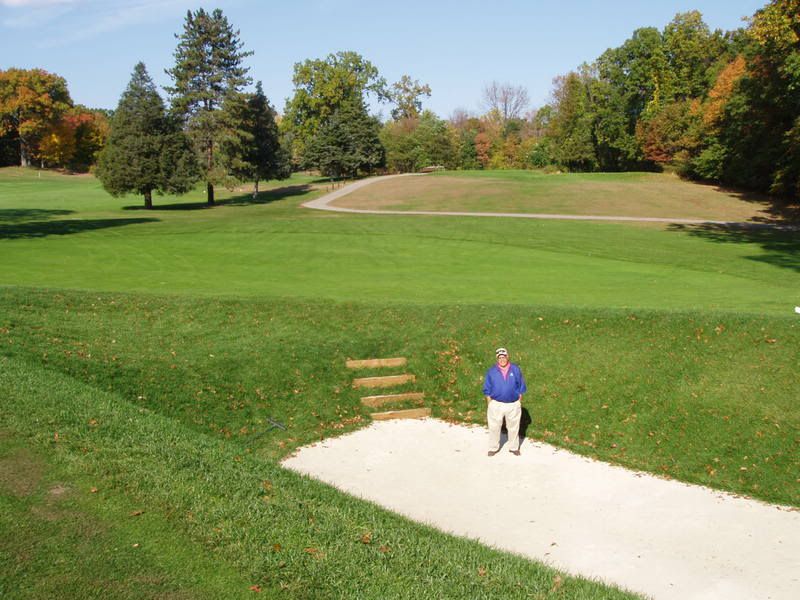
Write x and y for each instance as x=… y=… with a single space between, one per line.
x=159 y=348
x=691 y=396
x=260 y=525
x=79 y=543
x=274 y=249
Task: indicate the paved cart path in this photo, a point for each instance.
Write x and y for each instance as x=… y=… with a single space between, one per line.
x=659 y=537
x=324 y=203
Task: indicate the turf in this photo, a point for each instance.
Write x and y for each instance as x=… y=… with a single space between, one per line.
x=61 y=239
x=607 y=194
x=158 y=344
x=700 y=397
x=263 y=528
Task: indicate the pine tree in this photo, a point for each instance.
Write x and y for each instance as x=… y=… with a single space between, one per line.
x=256 y=154
x=208 y=70
x=146 y=150
x=348 y=142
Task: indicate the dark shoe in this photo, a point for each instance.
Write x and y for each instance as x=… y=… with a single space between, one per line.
x=492 y=452
x=514 y=452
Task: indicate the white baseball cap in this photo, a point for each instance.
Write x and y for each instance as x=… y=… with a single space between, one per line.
x=501 y=352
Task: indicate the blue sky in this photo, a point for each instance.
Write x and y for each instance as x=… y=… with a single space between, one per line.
x=455 y=46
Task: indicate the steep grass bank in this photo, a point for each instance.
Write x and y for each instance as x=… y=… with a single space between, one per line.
x=702 y=397
x=263 y=528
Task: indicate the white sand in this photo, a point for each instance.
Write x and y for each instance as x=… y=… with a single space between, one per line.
x=662 y=538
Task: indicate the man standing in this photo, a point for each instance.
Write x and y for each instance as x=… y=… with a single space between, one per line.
x=503 y=388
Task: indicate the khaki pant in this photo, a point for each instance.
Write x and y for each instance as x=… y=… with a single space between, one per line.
x=495 y=413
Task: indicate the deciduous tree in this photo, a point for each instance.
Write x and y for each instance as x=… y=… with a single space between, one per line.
x=510 y=101
x=322 y=87
x=31 y=102
x=407 y=95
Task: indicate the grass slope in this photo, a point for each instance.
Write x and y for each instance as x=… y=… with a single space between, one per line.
x=608 y=194
x=284 y=534
x=704 y=398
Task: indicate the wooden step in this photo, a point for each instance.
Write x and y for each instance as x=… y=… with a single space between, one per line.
x=411 y=413
x=374 y=363
x=376 y=401
x=386 y=381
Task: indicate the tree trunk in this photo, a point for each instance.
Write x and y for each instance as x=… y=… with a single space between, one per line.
x=148 y=200
x=24 y=161
x=210 y=166
x=255 y=190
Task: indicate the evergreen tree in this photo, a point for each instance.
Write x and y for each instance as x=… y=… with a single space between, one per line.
x=323 y=87
x=347 y=142
x=208 y=70
x=255 y=154
x=571 y=125
x=146 y=150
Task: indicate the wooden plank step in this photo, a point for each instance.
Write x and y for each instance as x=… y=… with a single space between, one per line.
x=374 y=363
x=376 y=401
x=411 y=413
x=386 y=381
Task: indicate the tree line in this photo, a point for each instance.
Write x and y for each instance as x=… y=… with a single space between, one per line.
x=711 y=105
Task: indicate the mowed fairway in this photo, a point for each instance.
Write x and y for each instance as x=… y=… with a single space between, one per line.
x=142 y=354
x=68 y=233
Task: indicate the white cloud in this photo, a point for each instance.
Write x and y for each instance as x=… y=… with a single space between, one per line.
x=33 y=3
x=110 y=15
x=88 y=18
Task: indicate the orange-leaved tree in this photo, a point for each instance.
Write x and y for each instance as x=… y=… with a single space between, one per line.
x=31 y=102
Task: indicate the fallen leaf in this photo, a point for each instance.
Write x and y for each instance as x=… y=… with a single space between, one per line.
x=276 y=547
x=366 y=538
x=136 y=545
x=136 y=513
x=481 y=572
x=384 y=549
x=255 y=588
x=93 y=490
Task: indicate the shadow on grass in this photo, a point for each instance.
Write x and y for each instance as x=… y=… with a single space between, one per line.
x=779 y=211
x=265 y=197
x=779 y=238
x=39 y=229
x=15 y=215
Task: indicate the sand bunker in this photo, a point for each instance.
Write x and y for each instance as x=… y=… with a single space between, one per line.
x=662 y=538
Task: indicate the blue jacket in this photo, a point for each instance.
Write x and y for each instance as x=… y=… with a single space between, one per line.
x=504 y=390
